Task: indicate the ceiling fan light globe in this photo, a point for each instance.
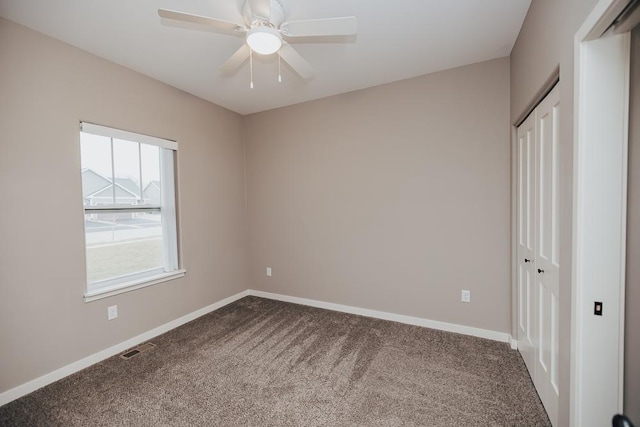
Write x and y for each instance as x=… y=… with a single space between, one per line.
x=264 y=40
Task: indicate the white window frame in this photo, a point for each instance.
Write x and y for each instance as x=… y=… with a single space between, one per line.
x=170 y=270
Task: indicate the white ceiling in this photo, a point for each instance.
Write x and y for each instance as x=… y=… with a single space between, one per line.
x=397 y=39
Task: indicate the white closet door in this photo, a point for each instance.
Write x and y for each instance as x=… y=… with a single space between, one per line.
x=526 y=240
x=547 y=252
x=538 y=248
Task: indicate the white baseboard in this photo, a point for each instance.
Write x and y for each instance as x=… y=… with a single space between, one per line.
x=409 y=320
x=74 y=367
x=514 y=343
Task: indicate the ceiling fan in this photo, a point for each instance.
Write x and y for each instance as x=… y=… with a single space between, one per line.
x=266 y=32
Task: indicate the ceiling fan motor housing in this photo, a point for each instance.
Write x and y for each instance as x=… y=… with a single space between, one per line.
x=259 y=12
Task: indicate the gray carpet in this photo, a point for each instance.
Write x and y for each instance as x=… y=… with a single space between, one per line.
x=259 y=362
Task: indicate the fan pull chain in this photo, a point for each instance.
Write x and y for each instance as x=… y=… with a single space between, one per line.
x=279 y=73
x=251 y=66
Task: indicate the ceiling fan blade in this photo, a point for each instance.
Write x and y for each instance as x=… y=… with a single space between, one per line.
x=236 y=60
x=296 y=61
x=344 y=26
x=218 y=24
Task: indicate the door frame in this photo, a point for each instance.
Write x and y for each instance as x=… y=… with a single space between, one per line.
x=601 y=98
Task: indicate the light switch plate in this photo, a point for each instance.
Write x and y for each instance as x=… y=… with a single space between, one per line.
x=597 y=308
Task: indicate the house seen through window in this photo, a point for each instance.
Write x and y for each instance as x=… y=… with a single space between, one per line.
x=129 y=207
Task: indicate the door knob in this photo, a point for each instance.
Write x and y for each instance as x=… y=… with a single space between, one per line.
x=540 y=270
x=527 y=260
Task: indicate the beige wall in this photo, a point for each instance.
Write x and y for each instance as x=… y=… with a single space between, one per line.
x=544 y=43
x=632 y=311
x=46 y=88
x=393 y=198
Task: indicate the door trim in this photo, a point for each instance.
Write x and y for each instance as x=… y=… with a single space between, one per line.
x=601 y=96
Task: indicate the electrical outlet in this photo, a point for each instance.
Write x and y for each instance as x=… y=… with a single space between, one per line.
x=112 y=312
x=465 y=296
x=268 y=271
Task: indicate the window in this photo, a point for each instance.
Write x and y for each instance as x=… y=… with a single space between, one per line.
x=129 y=210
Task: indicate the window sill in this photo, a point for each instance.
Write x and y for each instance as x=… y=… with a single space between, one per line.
x=121 y=288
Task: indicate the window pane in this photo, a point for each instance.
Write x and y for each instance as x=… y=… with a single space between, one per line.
x=150 y=156
x=122 y=243
x=127 y=247
x=96 y=169
x=126 y=165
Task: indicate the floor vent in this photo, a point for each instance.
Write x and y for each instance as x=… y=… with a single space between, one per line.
x=135 y=351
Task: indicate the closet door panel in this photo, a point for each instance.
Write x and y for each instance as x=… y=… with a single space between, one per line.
x=547 y=246
x=526 y=240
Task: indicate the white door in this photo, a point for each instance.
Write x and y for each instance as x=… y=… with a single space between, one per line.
x=547 y=252
x=526 y=239
x=538 y=248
